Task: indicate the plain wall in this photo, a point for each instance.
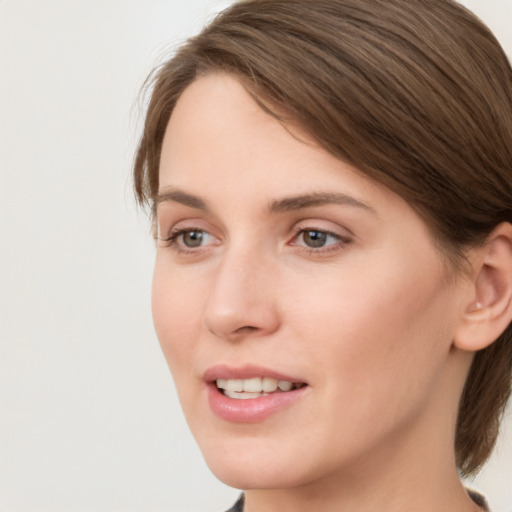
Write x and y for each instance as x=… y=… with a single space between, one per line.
x=89 y=419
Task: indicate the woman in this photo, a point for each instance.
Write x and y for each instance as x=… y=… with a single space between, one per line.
x=331 y=189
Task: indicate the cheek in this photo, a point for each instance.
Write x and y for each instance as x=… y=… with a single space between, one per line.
x=175 y=303
x=381 y=331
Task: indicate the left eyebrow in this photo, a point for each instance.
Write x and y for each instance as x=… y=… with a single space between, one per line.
x=317 y=199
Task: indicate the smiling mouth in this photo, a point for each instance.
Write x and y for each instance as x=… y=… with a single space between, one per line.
x=257 y=387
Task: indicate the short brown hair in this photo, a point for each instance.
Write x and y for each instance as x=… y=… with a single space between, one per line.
x=417 y=94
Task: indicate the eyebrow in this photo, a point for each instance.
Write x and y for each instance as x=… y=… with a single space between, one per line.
x=179 y=196
x=286 y=204
x=317 y=199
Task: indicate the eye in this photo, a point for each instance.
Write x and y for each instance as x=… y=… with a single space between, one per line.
x=318 y=239
x=189 y=239
x=193 y=238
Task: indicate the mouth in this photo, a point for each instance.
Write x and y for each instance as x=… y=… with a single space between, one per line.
x=256 y=387
x=250 y=394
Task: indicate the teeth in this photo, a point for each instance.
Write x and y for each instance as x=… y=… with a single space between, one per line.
x=253 y=386
x=269 y=385
x=241 y=396
x=231 y=384
x=284 y=385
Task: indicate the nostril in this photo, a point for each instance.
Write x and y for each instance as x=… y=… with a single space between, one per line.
x=246 y=328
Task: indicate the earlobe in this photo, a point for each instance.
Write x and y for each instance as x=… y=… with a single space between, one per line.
x=489 y=309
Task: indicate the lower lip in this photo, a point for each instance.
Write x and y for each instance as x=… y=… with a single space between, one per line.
x=250 y=410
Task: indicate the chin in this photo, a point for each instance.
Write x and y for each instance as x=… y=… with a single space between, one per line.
x=258 y=464
x=247 y=478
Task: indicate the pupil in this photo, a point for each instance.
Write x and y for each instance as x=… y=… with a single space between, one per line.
x=315 y=238
x=193 y=238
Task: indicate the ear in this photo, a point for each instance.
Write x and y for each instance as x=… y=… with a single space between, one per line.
x=488 y=310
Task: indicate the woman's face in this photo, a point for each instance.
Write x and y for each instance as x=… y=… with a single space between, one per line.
x=279 y=265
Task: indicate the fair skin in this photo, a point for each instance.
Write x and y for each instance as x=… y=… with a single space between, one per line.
x=274 y=254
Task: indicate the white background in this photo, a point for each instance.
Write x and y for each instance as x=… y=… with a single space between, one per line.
x=89 y=420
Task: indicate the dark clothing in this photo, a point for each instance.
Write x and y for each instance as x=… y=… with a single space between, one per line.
x=238 y=506
x=477 y=498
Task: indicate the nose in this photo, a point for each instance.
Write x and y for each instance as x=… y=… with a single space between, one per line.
x=242 y=300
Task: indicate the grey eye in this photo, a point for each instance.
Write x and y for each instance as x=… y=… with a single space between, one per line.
x=314 y=238
x=193 y=238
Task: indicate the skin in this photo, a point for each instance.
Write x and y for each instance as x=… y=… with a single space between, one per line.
x=367 y=320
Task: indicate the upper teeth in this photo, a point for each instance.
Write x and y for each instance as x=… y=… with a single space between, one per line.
x=255 y=385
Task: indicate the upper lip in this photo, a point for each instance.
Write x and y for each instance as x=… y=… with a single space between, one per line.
x=246 y=372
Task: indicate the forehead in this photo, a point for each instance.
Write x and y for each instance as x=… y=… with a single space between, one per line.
x=218 y=133
x=216 y=124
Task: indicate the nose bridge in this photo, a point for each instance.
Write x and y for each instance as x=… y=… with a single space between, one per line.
x=241 y=297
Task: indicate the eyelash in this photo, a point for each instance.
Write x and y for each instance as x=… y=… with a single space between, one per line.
x=172 y=240
x=341 y=240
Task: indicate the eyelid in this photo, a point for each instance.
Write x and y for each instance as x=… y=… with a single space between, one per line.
x=342 y=236
x=170 y=224
x=325 y=226
x=175 y=234
x=314 y=225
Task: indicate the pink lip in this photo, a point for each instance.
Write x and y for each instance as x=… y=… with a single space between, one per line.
x=252 y=410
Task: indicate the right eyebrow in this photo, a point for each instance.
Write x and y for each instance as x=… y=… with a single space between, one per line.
x=178 y=196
